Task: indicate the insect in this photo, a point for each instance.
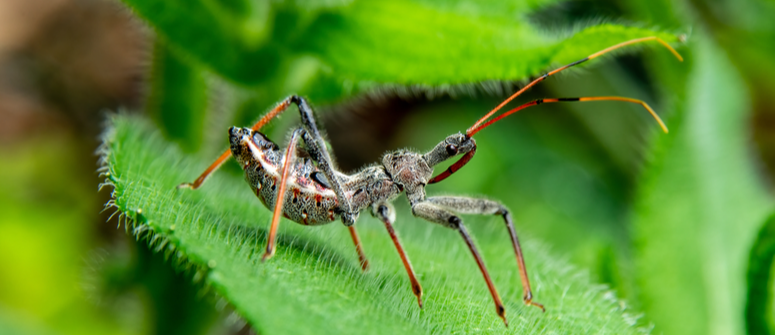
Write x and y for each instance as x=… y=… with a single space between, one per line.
x=302 y=184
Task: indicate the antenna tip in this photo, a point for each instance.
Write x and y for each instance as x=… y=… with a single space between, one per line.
x=666 y=45
x=663 y=126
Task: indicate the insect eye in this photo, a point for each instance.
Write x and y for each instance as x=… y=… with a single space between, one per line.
x=451 y=149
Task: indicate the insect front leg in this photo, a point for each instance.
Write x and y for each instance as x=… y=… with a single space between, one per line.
x=290 y=157
x=488 y=207
x=358 y=248
x=277 y=110
x=386 y=214
x=316 y=147
x=432 y=212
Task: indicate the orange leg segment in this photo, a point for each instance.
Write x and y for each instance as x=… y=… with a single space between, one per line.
x=290 y=157
x=490 y=286
x=281 y=107
x=528 y=293
x=359 y=248
x=384 y=214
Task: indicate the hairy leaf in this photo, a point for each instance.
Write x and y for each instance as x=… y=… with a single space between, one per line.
x=327 y=52
x=177 y=99
x=314 y=284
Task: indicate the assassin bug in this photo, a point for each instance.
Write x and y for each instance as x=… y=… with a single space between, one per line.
x=302 y=184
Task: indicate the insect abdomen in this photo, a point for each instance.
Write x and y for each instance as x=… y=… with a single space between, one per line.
x=305 y=204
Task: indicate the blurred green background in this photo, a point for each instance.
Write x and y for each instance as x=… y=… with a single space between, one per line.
x=668 y=221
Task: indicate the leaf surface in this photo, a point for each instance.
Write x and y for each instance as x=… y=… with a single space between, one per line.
x=314 y=284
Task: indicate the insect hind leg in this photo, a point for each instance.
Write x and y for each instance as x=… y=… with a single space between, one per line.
x=438 y=214
x=386 y=214
x=316 y=147
x=488 y=207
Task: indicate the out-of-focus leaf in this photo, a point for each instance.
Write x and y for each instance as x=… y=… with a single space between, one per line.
x=11 y=323
x=313 y=284
x=759 y=269
x=699 y=204
x=45 y=238
x=364 y=44
x=228 y=37
x=177 y=99
x=445 y=47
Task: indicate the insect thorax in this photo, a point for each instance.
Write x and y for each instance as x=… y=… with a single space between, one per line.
x=410 y=171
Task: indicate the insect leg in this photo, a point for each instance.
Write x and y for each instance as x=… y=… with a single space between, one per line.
x=316 y=147
x=281 y=107
x=290 y=157
x=386 y=213
x=489 y=207
x=357 y=241
x=434 y=213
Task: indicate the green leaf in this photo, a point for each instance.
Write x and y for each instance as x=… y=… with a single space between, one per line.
x=12 y=323
x=759 y=269
x=229 y=36
x=46 y=244
x=327 y=53
x=314 y=284
x=449 y=48
x=177 y=99
x=699 y=205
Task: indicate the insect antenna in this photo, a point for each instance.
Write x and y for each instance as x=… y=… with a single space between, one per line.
x=478 y=125
x=483 y=123
x=473 y=130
